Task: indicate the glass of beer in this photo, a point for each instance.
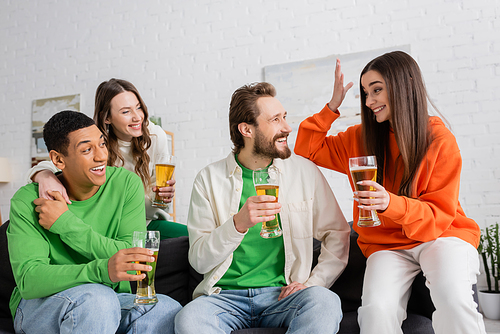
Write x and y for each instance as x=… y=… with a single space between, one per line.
x=146 y=294
x=266 y=182
x=365 y=168
x=164 y=171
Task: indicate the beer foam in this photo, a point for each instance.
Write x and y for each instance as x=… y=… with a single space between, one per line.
x=358 y=168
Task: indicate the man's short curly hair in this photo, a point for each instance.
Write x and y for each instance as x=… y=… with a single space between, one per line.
x=59 y=126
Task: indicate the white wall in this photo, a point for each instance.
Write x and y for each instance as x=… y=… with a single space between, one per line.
x=186 y=58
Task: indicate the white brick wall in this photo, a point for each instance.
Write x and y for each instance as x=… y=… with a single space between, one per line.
x=187 y=57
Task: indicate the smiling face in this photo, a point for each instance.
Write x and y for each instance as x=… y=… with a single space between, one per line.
x=375 y=90
x=271 y=134
x=126 y=116
x=84 y=166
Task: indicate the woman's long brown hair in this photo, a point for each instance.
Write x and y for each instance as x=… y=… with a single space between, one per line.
x=106 y=91
x=410 y=120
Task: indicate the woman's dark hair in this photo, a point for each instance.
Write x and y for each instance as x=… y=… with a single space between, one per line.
x=409 y=116
x=59 y=126
x=243 y=109
x=106 y=91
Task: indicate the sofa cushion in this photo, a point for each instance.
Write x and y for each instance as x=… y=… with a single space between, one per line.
x=260 y=331
x=420 y=301
x=414 y=324
x=349 y=286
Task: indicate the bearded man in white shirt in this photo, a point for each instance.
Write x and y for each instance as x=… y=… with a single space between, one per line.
x=250 y=281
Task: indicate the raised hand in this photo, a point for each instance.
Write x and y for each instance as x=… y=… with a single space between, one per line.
x=339 y=91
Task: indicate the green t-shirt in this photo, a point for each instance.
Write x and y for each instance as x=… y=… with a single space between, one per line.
x=79 y=244
x=257 y=262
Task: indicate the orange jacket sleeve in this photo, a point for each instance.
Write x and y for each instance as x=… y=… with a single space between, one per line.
x=331 y=152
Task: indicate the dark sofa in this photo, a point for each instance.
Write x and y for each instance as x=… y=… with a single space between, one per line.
x=175 y=277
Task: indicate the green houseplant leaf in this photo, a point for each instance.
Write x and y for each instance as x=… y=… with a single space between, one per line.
x=489 y=248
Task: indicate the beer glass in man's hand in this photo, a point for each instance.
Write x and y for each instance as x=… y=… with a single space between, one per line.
x=164 y=172
x=365 y=168
x=146 y=294
x=266 y=182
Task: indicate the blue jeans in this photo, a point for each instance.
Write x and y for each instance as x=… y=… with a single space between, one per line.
x=94 y=308
x=312 y=310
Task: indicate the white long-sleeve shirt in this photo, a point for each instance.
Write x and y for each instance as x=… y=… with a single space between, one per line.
x=309 y=209
x=158 y=151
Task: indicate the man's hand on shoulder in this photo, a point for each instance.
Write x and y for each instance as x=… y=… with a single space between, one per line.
x=256 y=209
x=50 y=210
x=126 y=260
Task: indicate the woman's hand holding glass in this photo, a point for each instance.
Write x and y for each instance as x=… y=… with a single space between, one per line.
x=167 y=193
x=372 y=200
x=164 y=172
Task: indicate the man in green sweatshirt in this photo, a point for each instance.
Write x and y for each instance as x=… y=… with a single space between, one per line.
x=70 y=262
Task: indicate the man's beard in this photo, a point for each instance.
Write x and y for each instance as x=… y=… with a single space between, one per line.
x=268 y=149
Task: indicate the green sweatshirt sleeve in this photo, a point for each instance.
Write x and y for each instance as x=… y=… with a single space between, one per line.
x=29 y=251
x=81 y=237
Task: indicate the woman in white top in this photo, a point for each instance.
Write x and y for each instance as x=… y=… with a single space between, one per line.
x=133 y=142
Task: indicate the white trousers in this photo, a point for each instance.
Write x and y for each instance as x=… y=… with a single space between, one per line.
x=450 y=266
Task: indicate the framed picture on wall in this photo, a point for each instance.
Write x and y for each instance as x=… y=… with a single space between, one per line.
x=41 y=111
